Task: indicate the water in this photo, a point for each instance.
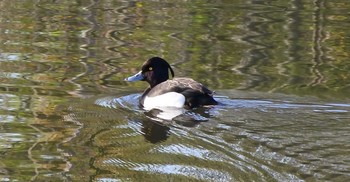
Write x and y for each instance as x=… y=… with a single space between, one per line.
x=280 y=71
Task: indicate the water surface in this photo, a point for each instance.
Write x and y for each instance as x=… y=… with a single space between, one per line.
x=280 y=71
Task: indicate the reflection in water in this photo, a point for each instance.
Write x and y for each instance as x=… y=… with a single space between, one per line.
x=242 y=139
x=318 y=38
x=154 y=132
x=156 y=123
x=28 y=135
x=59 y=60
x=256 y=32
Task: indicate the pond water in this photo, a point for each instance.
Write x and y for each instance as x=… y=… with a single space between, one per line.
x=280 y=70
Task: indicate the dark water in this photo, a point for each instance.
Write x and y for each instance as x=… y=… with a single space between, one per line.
x=280 y=70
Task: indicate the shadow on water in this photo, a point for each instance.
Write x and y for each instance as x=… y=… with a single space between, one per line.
x=276 y=137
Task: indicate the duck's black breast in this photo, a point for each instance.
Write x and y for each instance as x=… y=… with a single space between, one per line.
x=195 y=93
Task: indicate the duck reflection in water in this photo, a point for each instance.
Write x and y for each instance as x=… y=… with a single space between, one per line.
x=155 y=130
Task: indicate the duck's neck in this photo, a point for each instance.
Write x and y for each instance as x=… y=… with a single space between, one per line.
x=144 y=95
x=155 y=82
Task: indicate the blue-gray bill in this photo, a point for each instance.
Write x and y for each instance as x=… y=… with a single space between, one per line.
x=137 y=77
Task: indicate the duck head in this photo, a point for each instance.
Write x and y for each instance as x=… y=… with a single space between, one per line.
x=154 y=71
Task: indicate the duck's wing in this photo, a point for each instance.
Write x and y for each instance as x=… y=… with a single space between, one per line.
x=180 y=85
x=195 y=93
x=192 y=84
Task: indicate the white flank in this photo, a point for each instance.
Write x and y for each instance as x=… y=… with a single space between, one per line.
x=170 y=99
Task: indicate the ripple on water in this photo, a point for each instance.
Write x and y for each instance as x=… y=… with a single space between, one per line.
x=240 y=139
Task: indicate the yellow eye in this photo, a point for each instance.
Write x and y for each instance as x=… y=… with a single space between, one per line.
x=150 y=68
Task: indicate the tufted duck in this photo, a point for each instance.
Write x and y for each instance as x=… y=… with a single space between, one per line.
x=163 y=92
